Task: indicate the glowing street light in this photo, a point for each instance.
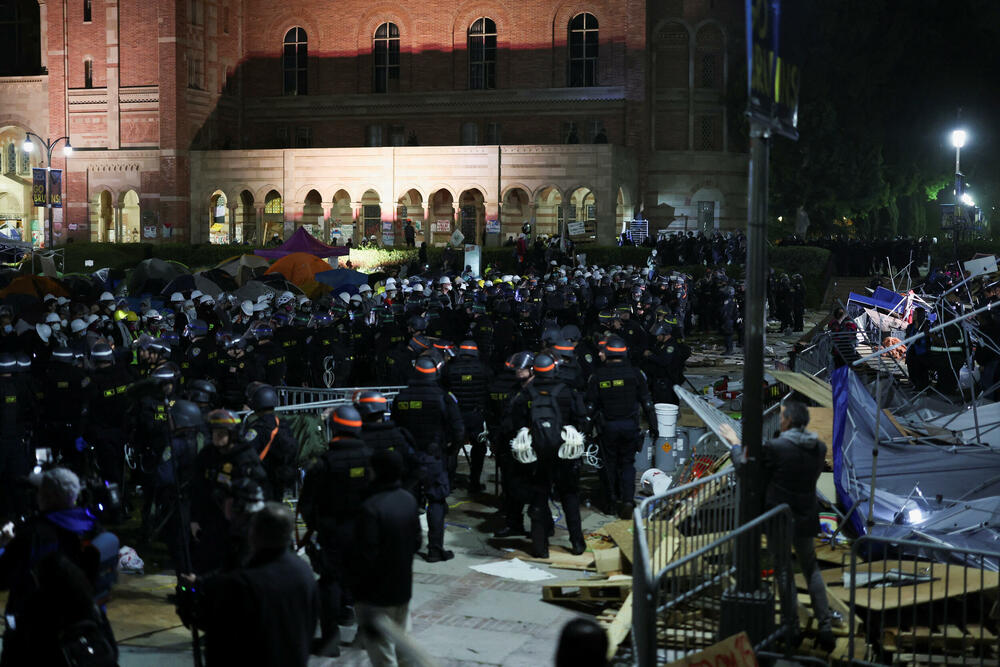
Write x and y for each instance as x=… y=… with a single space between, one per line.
x=958 y=138
x=29 y=146
x=967 y=199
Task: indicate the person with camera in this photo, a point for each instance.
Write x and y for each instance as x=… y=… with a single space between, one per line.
x=263 y=613
x=58 y=566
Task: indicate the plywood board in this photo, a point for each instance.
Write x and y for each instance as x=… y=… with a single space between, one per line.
x=821 y=423
x=948 y=581
x=559 y=558
x=587 y=590
x=814 y=389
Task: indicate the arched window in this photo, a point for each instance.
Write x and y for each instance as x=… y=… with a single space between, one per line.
x=11 y=159
x=86 y=11
x=583 y=39
x=295 y=62
x=483 y=55
x=386 y=52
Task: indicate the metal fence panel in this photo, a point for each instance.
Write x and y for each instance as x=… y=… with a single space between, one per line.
x=915 y=603
x=301 y=395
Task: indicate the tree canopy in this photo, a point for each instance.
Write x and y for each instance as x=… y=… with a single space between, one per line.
x=883 y=84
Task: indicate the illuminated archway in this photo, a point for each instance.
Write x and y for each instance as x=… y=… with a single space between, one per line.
x=274 y=218
x=219 y=218
x=131 y=224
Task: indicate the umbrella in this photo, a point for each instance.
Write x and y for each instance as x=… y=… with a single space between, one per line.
x=208 y=286
x=225 y=281
x=299 y=267
x=152 y=275
x=277 y=282
x=253 y=289
x=81 y=285
x=343 y=280
x=182 y=283
x=37 y=286
x=243 y=267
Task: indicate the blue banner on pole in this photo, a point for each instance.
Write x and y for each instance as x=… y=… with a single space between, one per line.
x=773 y=81
x=55 y=187
x=38 y=188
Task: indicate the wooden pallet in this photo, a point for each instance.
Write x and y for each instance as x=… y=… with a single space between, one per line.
x=588 y=590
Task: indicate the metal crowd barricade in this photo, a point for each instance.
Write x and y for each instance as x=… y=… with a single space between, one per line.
x=919 y=603
x=687 y=545
x=288 y=396
x=817 y=358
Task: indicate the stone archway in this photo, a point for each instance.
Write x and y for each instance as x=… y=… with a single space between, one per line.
x=371 y=216
x=131 y=220
x=472 y=216
x=515 y=211
x=549 y=211
x=274 y=218
x=442 y=210
x=582 y=209
x=312 y=214
x=219 y=218
x=341 y=219
x=411 y=207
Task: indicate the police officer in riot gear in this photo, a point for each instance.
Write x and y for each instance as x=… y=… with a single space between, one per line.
x=380 y=433
x=199 y=360
x=615 y=394
x=216 y=468
x=553 y=465
x=331 y=496
x=468 y=379
x=515 y=374
x=107 y=403
x=432 y=416
x=271 y=438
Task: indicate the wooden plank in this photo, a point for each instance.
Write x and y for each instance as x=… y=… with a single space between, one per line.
x=735 y=651
x=933 y=659
x=620 y=627
x=588 y=590
x=821 y=423
x=559 y=558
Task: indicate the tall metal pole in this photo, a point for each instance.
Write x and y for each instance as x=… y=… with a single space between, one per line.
x=747 y=606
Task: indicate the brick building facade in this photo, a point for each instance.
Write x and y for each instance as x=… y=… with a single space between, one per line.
x=237 y=119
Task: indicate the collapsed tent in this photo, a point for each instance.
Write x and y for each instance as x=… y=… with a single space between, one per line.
x=303 y=241
x=946 y=493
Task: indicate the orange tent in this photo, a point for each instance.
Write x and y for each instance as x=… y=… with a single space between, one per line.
x=299 y=267
x=38 y=286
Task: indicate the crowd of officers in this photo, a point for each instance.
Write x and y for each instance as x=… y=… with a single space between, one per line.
x=174 y=407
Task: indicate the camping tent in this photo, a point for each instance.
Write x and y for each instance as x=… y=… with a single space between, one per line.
x=303 y=241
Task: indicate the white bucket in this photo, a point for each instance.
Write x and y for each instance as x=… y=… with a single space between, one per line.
x=666 y=419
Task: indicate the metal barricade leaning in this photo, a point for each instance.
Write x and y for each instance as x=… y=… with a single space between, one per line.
x=685 y=560
x=920 y=603
x=301 y=395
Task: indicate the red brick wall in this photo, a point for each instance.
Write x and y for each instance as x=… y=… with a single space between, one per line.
x=138 y=39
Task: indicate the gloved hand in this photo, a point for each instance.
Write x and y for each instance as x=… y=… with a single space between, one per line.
x=520 y=447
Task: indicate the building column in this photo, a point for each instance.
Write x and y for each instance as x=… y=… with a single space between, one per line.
x=260 y=225
x=233 y=208
x=327 y=214
x=359 y=221
x=456 y=216
x=117 y=217
x=491 y=211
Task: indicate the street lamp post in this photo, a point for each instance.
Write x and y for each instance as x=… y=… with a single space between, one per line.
x=958 y=138
x=49 y=145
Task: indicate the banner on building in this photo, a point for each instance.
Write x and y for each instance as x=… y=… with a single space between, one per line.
x=149 y=232
x=442 y=226
x=773 y=77
x=492 y=226
x=576 y=228
x=388 y=235
x=55 y=187
x=38 y=186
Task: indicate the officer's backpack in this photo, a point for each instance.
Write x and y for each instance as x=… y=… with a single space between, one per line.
x=546 y=422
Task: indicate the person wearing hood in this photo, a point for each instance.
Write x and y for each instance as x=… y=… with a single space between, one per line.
x=54 y=567
x=791 y=464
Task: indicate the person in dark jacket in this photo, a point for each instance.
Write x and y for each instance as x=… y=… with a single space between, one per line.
x=53 y=566
x=264 y=613
x=791 y=465
x=387 y=535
